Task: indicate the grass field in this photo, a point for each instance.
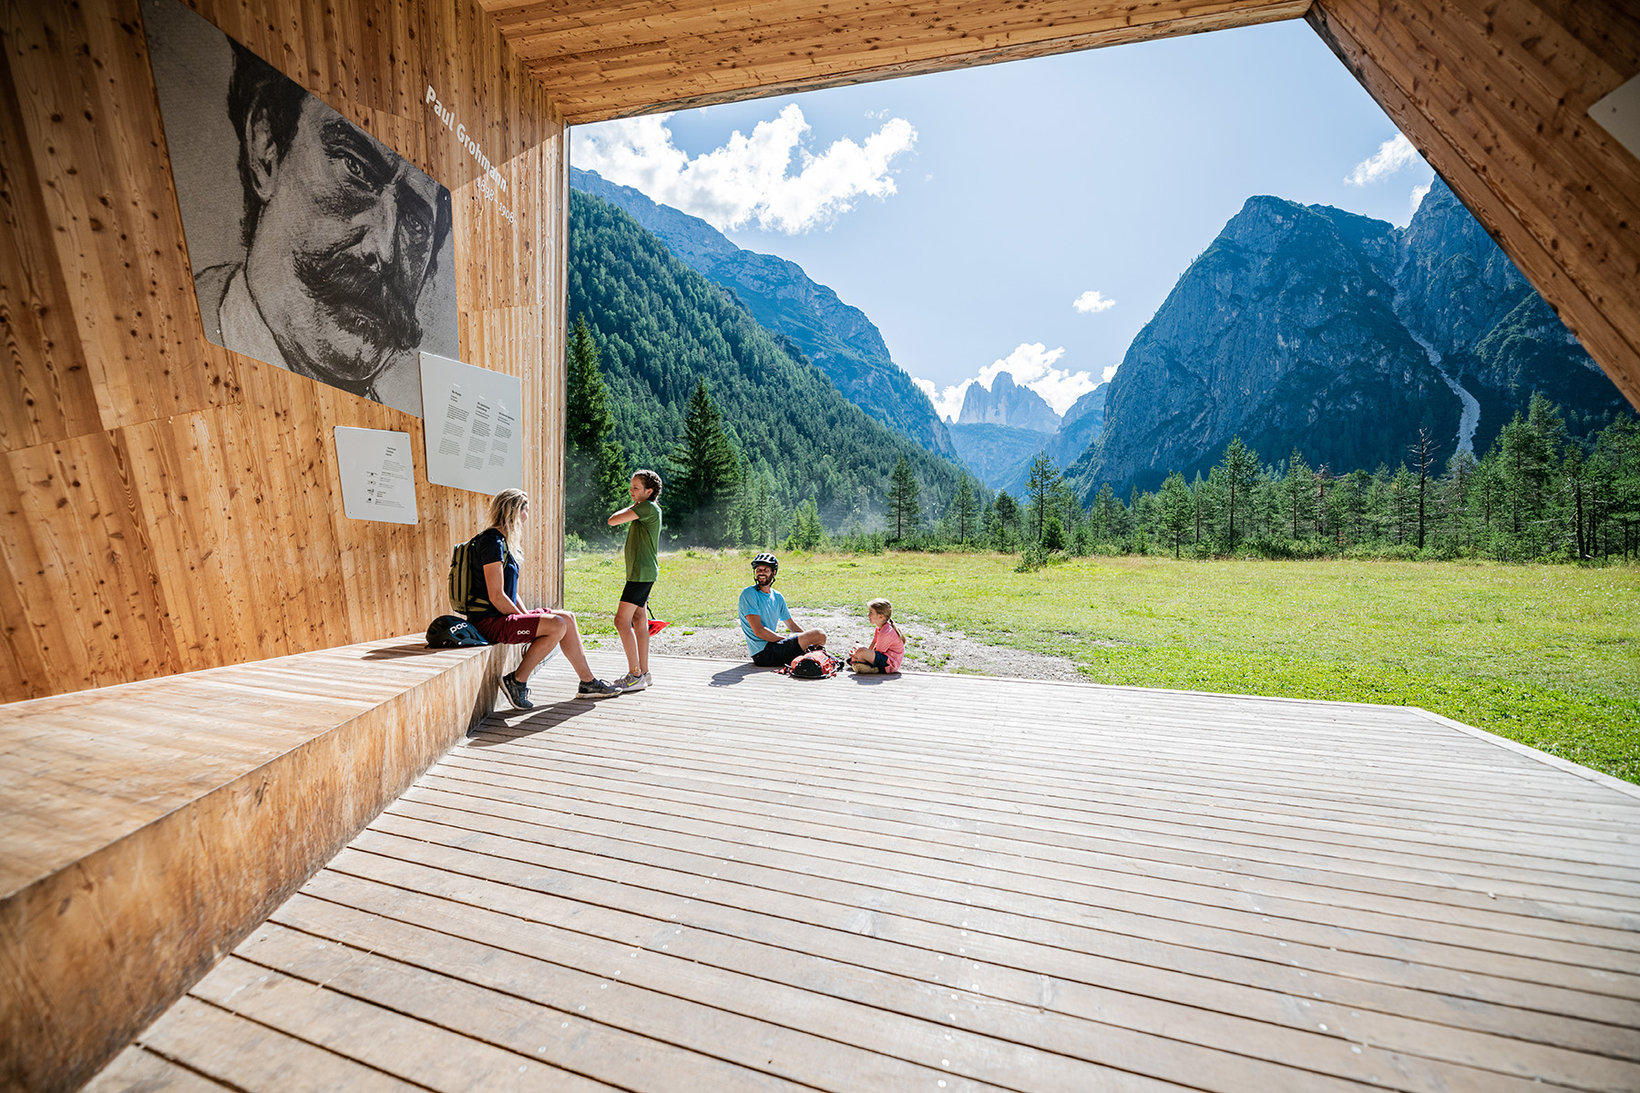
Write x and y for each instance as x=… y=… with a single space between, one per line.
x=1546 y=655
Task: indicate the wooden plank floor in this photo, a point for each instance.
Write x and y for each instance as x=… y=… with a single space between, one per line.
x=738 y=881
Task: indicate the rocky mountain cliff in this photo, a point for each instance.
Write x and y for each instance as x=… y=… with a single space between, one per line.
x=1311 y=327
x=1080 y=426
x=836 y=338
x=1006 y=403
x=1462 y=297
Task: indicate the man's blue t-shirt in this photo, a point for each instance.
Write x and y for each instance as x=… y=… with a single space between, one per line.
x=770 y=606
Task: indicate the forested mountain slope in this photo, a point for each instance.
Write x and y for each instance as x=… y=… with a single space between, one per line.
x=837 y=338
x=661 y=327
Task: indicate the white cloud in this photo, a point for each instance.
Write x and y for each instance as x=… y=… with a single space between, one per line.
x=750 y=179
x=1031 y=365
x=1104 y=377
x=947 y=403
x=1392 y=155
x=1092 y=300
x=1418 y=195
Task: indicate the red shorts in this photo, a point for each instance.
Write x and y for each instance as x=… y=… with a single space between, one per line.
x=511 y=629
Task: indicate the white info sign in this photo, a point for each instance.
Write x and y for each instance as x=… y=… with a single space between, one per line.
x=378 y=474
x=471 y=417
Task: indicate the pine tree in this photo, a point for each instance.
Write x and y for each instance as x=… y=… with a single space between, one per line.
x=1240 y=472
x=964 y=511
x=903 y=509
x=1039 y=486
x=593 y=472
x=1177 y=509
x=1007 y=516
x=708 y=469
x=1423 y=458
x=1298 y=494
x=807 y=533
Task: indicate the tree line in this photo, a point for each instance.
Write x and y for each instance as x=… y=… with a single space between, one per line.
x=1538 y=493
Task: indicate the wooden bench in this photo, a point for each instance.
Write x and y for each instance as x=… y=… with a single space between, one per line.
x=146 y=828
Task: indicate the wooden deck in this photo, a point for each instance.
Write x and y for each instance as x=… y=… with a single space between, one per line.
x=738 y=881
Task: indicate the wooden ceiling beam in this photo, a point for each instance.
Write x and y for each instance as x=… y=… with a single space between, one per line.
x=606 y=61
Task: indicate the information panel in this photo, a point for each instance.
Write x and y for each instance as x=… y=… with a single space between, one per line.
x=472 y=425
x=378 y=474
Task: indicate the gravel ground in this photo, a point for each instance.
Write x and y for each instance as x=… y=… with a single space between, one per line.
x=929 y=646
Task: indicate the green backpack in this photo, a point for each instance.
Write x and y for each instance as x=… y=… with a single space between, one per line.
x=465 y=576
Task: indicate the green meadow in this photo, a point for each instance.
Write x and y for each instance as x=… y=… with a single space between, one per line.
x=1546 y=655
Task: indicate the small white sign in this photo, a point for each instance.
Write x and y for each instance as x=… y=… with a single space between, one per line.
x=378 y=474
x=473 y=431
x=1619 y=115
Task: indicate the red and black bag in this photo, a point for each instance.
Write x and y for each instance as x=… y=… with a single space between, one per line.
x=814 y=664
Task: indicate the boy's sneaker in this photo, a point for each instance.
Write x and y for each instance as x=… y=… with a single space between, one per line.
x=517 y=693
x=632 y=681
x=596 y=688
x=648 y=680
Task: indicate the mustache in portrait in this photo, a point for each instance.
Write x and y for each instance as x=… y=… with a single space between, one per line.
x=373 y=300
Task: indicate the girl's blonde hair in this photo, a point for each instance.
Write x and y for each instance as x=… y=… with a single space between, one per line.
x=507 y=511
x=886 y=610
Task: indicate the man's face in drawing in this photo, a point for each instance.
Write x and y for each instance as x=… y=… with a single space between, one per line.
x=342 y=247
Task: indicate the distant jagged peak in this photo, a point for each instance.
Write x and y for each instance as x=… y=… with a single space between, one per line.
x=1007 y=403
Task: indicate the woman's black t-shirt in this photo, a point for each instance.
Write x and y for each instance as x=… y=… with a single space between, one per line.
x=489 y=546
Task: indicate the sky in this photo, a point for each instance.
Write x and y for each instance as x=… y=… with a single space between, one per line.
x=1030 y=216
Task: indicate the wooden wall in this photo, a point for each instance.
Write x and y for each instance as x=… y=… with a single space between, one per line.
x=1496 y=96
x=169 y=505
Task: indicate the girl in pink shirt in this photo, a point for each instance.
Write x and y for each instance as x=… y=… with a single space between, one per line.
x=887 y=646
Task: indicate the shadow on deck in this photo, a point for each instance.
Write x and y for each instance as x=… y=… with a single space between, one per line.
x=740 y=881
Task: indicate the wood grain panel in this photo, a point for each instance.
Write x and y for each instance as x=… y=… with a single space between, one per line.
x=169 y=505
x=48 y=389
x=610 y=60
x=139 y=834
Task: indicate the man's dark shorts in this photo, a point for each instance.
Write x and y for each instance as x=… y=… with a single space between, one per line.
x=637 y=593
x=777 y=653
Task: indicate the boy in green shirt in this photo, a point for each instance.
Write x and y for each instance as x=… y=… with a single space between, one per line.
x=643 y=569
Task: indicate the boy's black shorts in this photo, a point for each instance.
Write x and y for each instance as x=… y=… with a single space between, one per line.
x=637 y=593
x=777 y=653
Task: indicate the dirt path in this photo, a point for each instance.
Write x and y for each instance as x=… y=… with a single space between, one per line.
x=929 y=646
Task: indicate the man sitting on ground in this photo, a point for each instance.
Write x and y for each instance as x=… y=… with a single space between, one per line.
x=762 y=610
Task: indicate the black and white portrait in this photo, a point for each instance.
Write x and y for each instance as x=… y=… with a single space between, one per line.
x=314 y=246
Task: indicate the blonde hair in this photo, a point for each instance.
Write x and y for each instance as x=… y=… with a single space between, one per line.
x=886 y=610
x=507 y=511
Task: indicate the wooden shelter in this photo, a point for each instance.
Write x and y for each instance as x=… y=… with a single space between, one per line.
x=145 y=465
x=169 y=506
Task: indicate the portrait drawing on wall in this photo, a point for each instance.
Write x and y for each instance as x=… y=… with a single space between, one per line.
x=314 y=246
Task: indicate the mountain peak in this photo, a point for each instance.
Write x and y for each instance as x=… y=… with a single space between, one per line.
x=1007 y=403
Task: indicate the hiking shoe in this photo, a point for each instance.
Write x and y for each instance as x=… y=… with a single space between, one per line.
x=517 y=693
x=632 y=681
x=596 y=688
